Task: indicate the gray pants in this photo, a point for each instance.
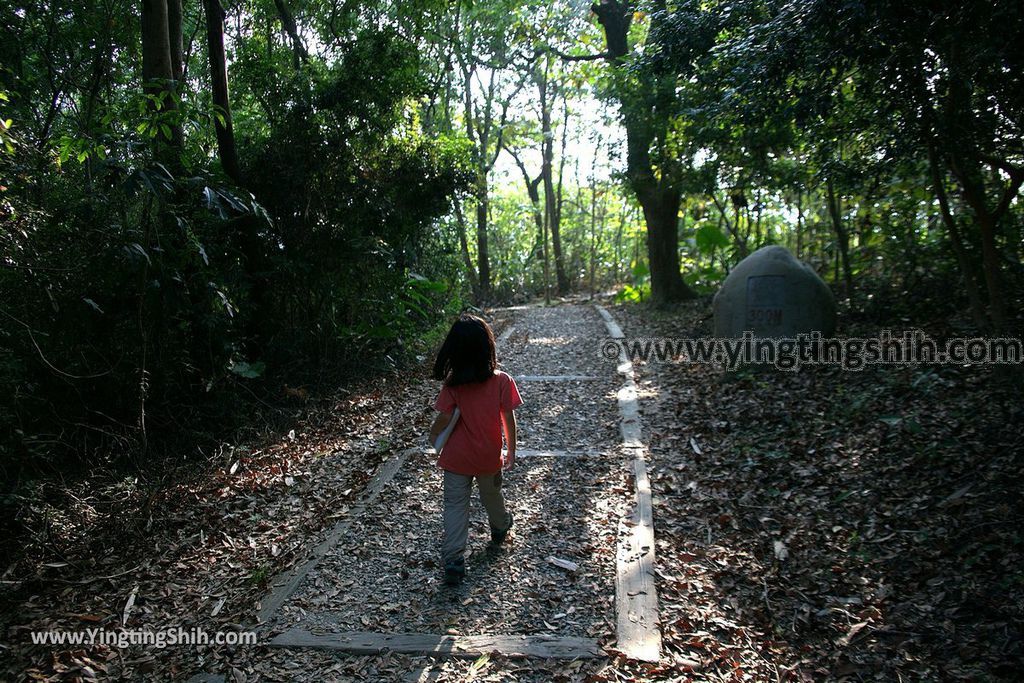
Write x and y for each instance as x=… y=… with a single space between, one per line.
x=457 y=488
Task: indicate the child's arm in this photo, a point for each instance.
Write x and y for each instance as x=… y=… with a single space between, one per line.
x=440 y=422
x=508 y=419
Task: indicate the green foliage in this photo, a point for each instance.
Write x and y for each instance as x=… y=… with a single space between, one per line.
x=639 y=288
x=6 y=137
x=790 y=106
x=710 y=237
x=141 y=291
x=353 y=187
x=248 y=370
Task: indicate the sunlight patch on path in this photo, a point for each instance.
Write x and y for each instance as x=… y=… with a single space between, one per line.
x=636 y=597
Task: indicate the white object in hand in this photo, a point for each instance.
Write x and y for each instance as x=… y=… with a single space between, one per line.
x=442 y=438
x=568 y=565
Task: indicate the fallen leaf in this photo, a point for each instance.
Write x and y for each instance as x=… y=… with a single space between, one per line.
x=128 y=605
x=781 y=552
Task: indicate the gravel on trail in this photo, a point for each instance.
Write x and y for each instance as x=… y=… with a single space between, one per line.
x=384 y=574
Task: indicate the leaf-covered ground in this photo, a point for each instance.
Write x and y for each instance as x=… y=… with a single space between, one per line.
x=831 y=525
x=384 y=574
x=816 y=525
x=199 y=553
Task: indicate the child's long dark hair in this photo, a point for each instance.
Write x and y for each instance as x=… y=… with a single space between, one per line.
x=467 y=354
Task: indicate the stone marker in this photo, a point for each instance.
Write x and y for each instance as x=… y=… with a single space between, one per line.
x=772 y=294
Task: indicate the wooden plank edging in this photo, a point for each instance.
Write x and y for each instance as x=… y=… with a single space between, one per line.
x=369 y=642
x=554 y=453
x=285 y=583
x=637 y=624
x=556 y=378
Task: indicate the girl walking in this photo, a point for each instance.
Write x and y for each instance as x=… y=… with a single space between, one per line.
x=486 y=398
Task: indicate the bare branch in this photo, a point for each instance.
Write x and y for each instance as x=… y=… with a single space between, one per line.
x=1000 y=163
x=579 y=58
x=1009 y=193
x=43 y=357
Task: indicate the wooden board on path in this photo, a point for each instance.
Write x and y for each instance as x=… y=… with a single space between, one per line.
x=368 y=642
x=637 y=624
x=638 y=631
x=283 y=585
x=556 y=378
x=554 y=453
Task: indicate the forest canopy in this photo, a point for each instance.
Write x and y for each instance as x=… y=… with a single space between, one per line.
x=202 y=202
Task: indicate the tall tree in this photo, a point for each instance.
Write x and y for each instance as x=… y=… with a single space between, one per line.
x=488 y=92
x=162 y=67
x=219 y=80
x=648 y=107
x=537 y=211
x=548 y=91
x=935 y=88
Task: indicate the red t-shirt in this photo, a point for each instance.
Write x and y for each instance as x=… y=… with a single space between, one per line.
x=474 y=447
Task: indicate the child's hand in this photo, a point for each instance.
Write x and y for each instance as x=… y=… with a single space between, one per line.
x=440 y=422
x=508 y=419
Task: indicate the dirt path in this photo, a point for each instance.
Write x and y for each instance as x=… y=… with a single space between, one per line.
x=815 y=525
x=832 y=526
x=570 y=491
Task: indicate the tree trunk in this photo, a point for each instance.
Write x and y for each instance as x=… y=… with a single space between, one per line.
x=479 y=133
x=158 y=70
x=544 y=250
x=551 y=212
x=219 y=81
x=957 y=243
x=661 y=212
x=972 y=187
x=482 y=255
x=799 y=224
x=842 y=237
x=161 y=68
x=990 y=259
x=553 y=222
x=474 y=282
x=556 y=233
x=245 y=228
x=175 y=40
x=593 y=229
x=758 y=237
x=658 y=196
x=533 y=191
x=618 y=244
x=288 y=23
